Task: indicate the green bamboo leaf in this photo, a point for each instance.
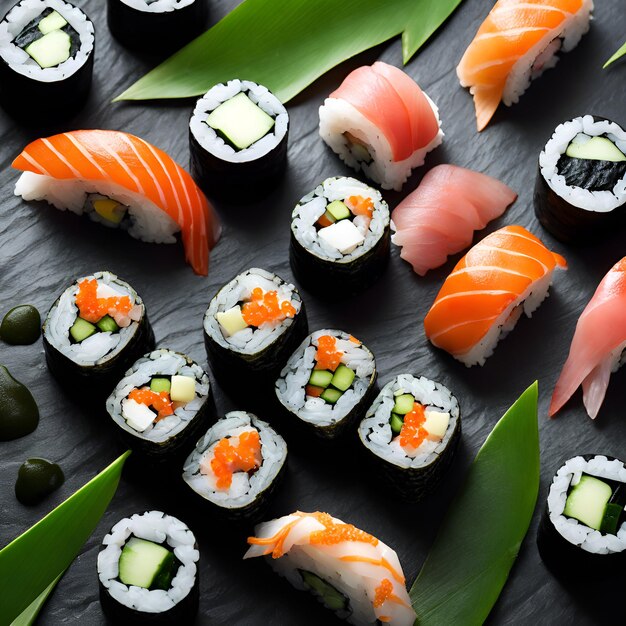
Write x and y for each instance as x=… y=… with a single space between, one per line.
x=30 y=563
x=481 y=535
x=29 y=615
x=619 y=53
x=287 y=44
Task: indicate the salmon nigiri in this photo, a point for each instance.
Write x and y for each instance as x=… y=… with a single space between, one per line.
x=597 y=346
x=518 y=40
x=507 y=273
x=439 y=218
x=120 y=181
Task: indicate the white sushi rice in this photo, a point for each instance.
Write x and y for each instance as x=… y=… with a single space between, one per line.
x=375 y=431
x=21 y=62
x=245 y=489
x=250 y=340
x=313 y=206
x=598 y=201
x=147 y=221
x=101 y=346
x=160 y=6
x=572 y=530
x=338 y=117
x=208 y=138
x=290 y=387
x=159 y=528
x=160 y=363
x=544 y=54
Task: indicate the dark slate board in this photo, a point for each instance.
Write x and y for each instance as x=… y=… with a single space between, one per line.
x=42 y=249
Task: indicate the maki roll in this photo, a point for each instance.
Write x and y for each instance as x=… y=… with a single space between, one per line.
x=328 y=382
x=162 y=404
x=236 y=465
x=252 y=326
x=156 y=26
x=348 y=570
x=238 y=131
x=339 y=237
x=148 y=571
x=412 y=430
x=46 y=59
x=580 y=191
x=94 y=331
x=381 y=123
x=583 y=528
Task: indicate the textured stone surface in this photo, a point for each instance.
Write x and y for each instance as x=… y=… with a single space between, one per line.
x=42 y=249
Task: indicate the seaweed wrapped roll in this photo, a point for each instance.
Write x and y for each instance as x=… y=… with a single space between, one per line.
x=162 y=404
x=238 y=132
x=46 y=59
x=581 y=184
x=236 y=465
x=339 y=237
x=94 y=331
x=412 y=430
x=156 y=26
x=328 y=382
x=148 y=571
x=582 y=532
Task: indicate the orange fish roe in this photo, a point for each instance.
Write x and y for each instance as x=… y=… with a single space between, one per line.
x=228 y=459
x=159 y=401
x=353 y=339
x=92 y=308
x=412 y=433
x=338 y=533
x=265 y=307
x=361 y=206
x=384 y=592
x=327 y=356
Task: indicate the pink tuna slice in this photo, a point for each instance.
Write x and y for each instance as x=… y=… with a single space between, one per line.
x=453 y=201
x=601 y=329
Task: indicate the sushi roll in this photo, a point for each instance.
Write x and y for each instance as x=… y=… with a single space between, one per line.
x=340 y=237
x=148 y=571
x=597 y=348
x=252 y=326
x=580 y=192
x=156 y=26
x=381 y=123
x=162 y=404
x=506 y=274
x=94 y=331
x=349 y=571
x=328 y=382
x=238 y=131
x=236 y=465
x=412 y=430
x=515 y=44
x=120 y=181
x=46 y=60
x=582 y=532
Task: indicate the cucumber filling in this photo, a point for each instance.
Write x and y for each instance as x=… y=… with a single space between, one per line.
x=330 y=386
x=358 y=149
x=147 y=564
x=82 y=329
x=330 y=596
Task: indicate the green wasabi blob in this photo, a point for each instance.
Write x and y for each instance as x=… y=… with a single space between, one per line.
x=19 y=414
x=36 y=479
x=21 y=325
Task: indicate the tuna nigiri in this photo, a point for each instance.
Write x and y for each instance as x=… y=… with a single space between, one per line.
x=350 y=571
x=597 y=346
x=507 y=273
x=380 y=121
x=120 y=181
x=518 y=40
x=439 y=218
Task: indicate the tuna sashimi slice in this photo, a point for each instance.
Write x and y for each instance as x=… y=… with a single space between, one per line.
x=453 y=201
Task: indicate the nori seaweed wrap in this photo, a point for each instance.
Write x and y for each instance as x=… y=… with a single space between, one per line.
x=236 y=466
x=340 y=238
x=162 y=405
x=580 y=190
x=411 y=431
x=89 y=356
x=582 y=533
x=328 y=382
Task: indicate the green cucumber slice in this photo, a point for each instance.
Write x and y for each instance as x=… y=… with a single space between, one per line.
x=146 y=564
x=51 y=49
x=587 y=501
x=610 y=520
x=320 y=378
x=108 y=325
x=338 y=210
x=53 y=21
x=331 y=395
x=159 y=385
x=594 y=149
x=343 y=377
x=396 y=423
x=81 y=329
x=332 y=598
x=404 y=404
